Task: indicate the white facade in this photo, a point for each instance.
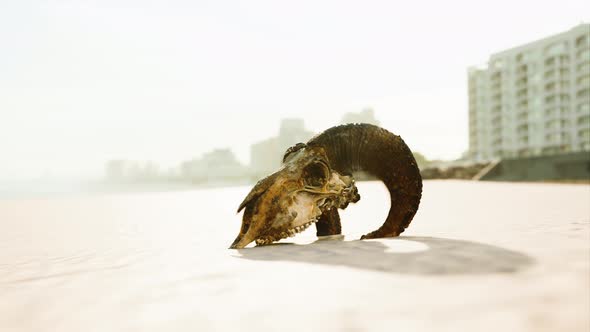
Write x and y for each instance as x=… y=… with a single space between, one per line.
x=533 y=99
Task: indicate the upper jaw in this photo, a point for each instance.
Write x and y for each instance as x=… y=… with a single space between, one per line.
x=289 y=232
x=323 y=201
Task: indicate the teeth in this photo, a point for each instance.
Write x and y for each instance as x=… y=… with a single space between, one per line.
x=285 y=234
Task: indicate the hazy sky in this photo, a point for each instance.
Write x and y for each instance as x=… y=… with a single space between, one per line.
x=82 y=82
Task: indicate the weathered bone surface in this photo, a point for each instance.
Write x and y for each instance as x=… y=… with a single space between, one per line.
x=316 y=180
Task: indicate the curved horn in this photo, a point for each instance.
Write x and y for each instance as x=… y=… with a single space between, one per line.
x=365 y=147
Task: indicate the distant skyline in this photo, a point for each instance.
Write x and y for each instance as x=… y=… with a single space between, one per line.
x=83 y=82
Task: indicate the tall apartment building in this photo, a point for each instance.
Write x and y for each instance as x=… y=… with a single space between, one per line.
x=533 y=99
x=266 y=156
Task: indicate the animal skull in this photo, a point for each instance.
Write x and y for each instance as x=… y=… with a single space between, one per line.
x=292 y=199
x=316 y=179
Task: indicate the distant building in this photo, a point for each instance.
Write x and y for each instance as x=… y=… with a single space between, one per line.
x=533 y=99
x=219 y=165
x=132 y=171
x=266 y=156
x=365 y=116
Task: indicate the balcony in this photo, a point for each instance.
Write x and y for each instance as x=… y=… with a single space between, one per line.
x=549 y=74
x=583 y=80
x=582 y=41
x=583 y=108
x=496 y=122
x=524 y=152
x=583 y=94
x=496 y=101
x=556 y=86
x=556 y=113
x=522 y=115
x=520 y=83
x=522 y=104
x=521 y=70
x=550 y=62
x=583 y=122
x=522 y=129
x=584 y=67
x=523 y=141
x=561 y=61
x=583 y=54
x=496 y=75
x=497 y=133
x=554 y=99
x=522 y=93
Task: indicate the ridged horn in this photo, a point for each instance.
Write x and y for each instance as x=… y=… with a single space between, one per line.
x=372 y=149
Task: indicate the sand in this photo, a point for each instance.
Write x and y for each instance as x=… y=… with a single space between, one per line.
x=477 y=257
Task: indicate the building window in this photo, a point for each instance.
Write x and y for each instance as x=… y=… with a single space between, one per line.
x=584 y=54
x=584 y=80
x=550 y=61
x=563 y=98
x=551 y=125
x=564 y=124
x=582 y=41
x=584 y=68
x=564 y=59
x=564 y=72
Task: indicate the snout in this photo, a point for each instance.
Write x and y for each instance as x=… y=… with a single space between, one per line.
x=236 y=244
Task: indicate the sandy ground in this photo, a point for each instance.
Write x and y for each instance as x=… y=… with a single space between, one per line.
x=477 y=257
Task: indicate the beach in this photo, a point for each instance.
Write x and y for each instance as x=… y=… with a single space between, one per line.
x=478 y=256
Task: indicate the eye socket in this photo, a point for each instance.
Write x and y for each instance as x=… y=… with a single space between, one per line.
x=316 y=174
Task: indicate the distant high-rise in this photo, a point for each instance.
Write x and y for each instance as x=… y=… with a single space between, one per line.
x=367 y=115
x=266 y=156
x=217 y=165
x=533 y=99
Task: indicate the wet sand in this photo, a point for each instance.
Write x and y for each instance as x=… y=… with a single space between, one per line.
x=477 y=257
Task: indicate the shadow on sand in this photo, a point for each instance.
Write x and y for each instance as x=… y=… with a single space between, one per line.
x=404 y=255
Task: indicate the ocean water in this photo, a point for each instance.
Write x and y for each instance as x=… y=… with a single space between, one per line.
x=478 y=256
x=69 y=188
